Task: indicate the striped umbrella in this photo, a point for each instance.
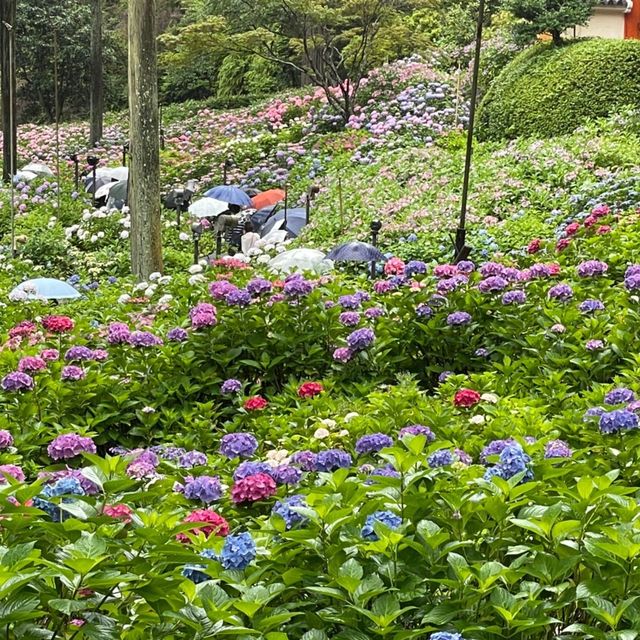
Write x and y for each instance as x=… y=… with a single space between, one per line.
x=356 y=252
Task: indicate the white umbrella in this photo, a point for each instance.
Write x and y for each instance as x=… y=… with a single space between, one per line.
x=48 y=288
x=25 y=176
x=39 y=169
x=207 y=208
x=115 y=173
x=301 y=260
x=103 y=191
x=275 y=237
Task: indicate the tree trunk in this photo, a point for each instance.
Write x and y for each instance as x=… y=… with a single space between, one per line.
x=8 y=87
x=144 y=154
x=557 y=37
x=97 y=86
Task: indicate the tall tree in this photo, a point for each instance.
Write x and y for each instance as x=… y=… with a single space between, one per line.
x=144 y=171
x=549 y=16
x=97 y=81
x=8 y=86
x=327 y=41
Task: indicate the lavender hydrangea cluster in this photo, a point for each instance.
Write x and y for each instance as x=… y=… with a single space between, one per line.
x=90 y=488
x=332 y=459
x=238 y=445
x=458 y=318
x=220 y=289
x=6 y=439
x=286 y=509
x=238 y=298
x=251 y=468
x=423 y=310
x=297 y=288
x=144 y=340
x=385 y=518
x=593 y=412
x=360 y=339
x=306 y=460
x=441 y=458
x=177 y=334
x=417 y=430
x=79 y=353
x=17 y=381
x=231 y=386
x=72 y=373
x=592 y=268
x=492 y=284
x=466 y=266
x=632 y=277
x=494 y=448
x=286 y=474
x=374 y=312
x=617 y=420
x=190 y=459
x=70 y=445
x=557 y=449
x=203 y=315
x=620 y=395
x=591 y=306
x=118 y=333
x=349 y=318
x=594 y=345
x=32 y=364
x=372 y=443
x=415 y=268
x=258 y=287
x=514 y=297
x=449 y=285
x=204 y=488
x=350 y=301
x=561 y=291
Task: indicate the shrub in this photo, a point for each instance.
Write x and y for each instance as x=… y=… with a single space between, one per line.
x=548 y=91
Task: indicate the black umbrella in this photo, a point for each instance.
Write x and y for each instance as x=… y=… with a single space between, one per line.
x=118 y=195
x=296 y=219
x=356 y=252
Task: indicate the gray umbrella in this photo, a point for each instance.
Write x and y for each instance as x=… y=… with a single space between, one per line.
x=356 y=252
x=296 y=219
x=118 y=195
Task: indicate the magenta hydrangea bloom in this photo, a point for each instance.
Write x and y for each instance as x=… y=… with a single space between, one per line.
x=342 y=354
x=50 y=354
x=118 y=333
x=69 y=445
x=203 y=315
x=11 y=470
x=32 y=364
x=6 y=439
x=71 y=373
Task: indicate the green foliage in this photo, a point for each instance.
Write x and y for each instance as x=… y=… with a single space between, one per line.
x=231 y=76
x=262 y=77
x=549 y=16
x=549 y=90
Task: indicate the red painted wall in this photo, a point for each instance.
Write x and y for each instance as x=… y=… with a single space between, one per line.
x=632 y=22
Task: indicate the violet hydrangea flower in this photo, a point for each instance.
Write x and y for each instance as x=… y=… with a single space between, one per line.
x=71 y=373
x=417 y=430
x=17 y=381
x=349 y=318
x=6 y=439
x=69 y=445
x=231 y=386
x=204 y=488
x=144 y=339
x=514 y=297
x=258 y=286
x=238 y=445
x=458 y=318
x=332 y=459
x=617 y=420
x=561 y=291
x=360 y=339
x=31 y=364
x=177 y=334
x=592 y=268
x=372 y=443
x=557 y=449
x=190 y=459
x=619 y=396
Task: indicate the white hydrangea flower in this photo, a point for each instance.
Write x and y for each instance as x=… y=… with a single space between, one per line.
x=350 y=416
x=149 y=291
x=126 y=223
x=124 y=235
x=195 y=268
x=280 y=249
x=18 y=295
x=164 y=280
x=276 y=457
x=141 y=286
x=165 y=299
x=489 y=397
x=263 y=259
x=94 y=238
x=477 y=420
x=329 y=423
x=100 y=234
x=196 y=279
x=154 y=276
x=86 y=216
x=124 y=298
x=321 y=434
x=184 y=236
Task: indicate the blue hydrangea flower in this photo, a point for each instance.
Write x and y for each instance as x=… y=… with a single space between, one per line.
x=250 y=468
x=238 y=552
x=373 y=443
x=64 y=487
x=387 y=518
x=333 y=459
x=286 y=510
x=204 y=488
x=593 y=412
x=194 y=571
x=494 y=448
x=286 y=474
x=238 y=445
x=445 y=635
x=614 y=421
x=619 y=396
x=513 y=460
x=441 y=458
x=415 y=267
x=591 y=306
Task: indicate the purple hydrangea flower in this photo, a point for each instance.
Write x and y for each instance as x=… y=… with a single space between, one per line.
x=118 y=333
x=423 y=310
x=557 y=449
x=492 y=284
x=494 y=448
x=238 y=298
x=349 y=318
x=191 y=459
x=458 y=318
x=619 y=396
x=71 y=373
x=100 y=355
x=6 y=439
x=251 y=468
x=78 y=354
x=593 y=412
x=561 y=291
x=414 y=268
x=514 y=297
x=489 y=269
x=374 y=312
x=297 y=288
x=617 y=420
x=592 y=268
x=360 y=339
x=231 y=386
x=69 y=445
x=204 y=488
x=373 y=443
x=332 y=459
x=444 y=375
x=306 y=460
x=220 y=289
x=482 y=352
x=342 y=354
x=203 y=315
x=417 y=430
x=591 y=306
x=177 y=334
x=144 y=339
x=32 y=364
x=11 y=470
x=513 y=460
x=594 y=345
x=286 y=474
x=632 y=277
x=140 y=470
x=466 y=266
x=90 y=488
x=238 y=445
x=350 y=301
x=258 y=286
x=451 y=284
x=17 y=381
x=385 y=472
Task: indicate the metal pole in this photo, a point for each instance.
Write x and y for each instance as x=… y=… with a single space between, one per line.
x=124 y=155
x=76 y=172
x=286 y=204
x=93 y=186
x=12 y=115
x=461 y=250
x=218 y=244
x=307 y=209
x=161 y=129
x=374 y=242
x=196 y=249
x=57 y=106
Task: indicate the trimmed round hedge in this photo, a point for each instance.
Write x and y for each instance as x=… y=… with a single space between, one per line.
x=549 y=90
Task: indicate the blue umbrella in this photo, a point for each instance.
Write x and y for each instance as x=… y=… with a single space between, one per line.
x=48 y=288
x=230 y=195
x=296 y=219
x=356 y=252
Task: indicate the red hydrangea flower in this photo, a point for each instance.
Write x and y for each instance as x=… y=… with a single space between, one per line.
x=255 y=403
x=394 y=266
x=572 y=229
x=217 y=526
x=554 y=269
x=534 y=245
x=590 y=221
x=24 y=328
x=310 y=389
x=258 y=486
x=119 y=512
x=466 y=398
x=601 y=230
x=562 y=244
x=58 y=324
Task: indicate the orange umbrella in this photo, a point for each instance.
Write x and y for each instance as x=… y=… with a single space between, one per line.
x=268 y=198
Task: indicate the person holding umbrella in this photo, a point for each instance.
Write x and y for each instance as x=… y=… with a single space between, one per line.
x=250 y=238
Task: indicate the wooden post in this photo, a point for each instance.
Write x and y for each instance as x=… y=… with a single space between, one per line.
x=97 y=84
x=341 y=202
x=144 y=150
x=8 y=87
